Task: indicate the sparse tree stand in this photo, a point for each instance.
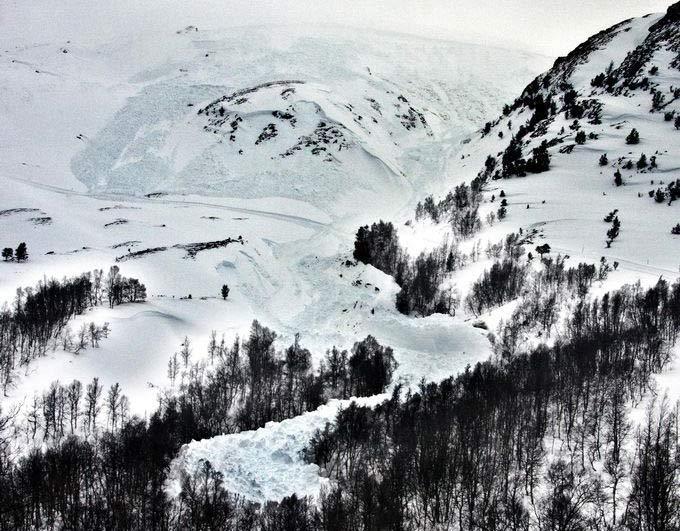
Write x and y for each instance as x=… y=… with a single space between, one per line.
x=7 y=253
x=21 y=253
x=225 y=291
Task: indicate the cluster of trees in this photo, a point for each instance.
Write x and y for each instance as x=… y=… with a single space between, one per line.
x=670 y=193
x=422 y=283
x=424 y=289
x=66 y=410
x=251 y=383
x=501 y=283
x=115 y=477
x=422 y=279
x=538 y=439
x=547 y=290
x=120 y=289
x=514 y=163
x=20 y=255
x=459 y=208
x=248 y=385
x=378 y=245
x=605 y=79
x=38 y=316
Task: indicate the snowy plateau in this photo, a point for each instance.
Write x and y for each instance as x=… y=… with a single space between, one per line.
x=249 y=157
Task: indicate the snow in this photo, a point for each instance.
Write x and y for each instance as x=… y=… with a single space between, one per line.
x=266 y=464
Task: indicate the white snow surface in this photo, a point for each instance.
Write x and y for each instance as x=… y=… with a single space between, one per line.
x=266 y=464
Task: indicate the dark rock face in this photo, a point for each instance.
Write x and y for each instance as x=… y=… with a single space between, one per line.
x=673 y=13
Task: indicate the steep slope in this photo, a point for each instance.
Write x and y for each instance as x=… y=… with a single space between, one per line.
x=556 y=152
x=583 y=111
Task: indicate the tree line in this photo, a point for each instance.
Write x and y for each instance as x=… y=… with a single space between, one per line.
x=38 y=316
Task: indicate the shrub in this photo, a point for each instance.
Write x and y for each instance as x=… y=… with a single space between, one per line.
x=633 y=137
x=618 y=179
x=642 y=162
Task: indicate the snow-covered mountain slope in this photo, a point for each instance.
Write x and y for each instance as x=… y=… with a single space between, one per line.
x=584 y=108
x=324 y=115
x=83 y=121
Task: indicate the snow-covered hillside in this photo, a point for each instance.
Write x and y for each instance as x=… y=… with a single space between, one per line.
x=102 y=142
x=251 y=112
x=585 y=108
